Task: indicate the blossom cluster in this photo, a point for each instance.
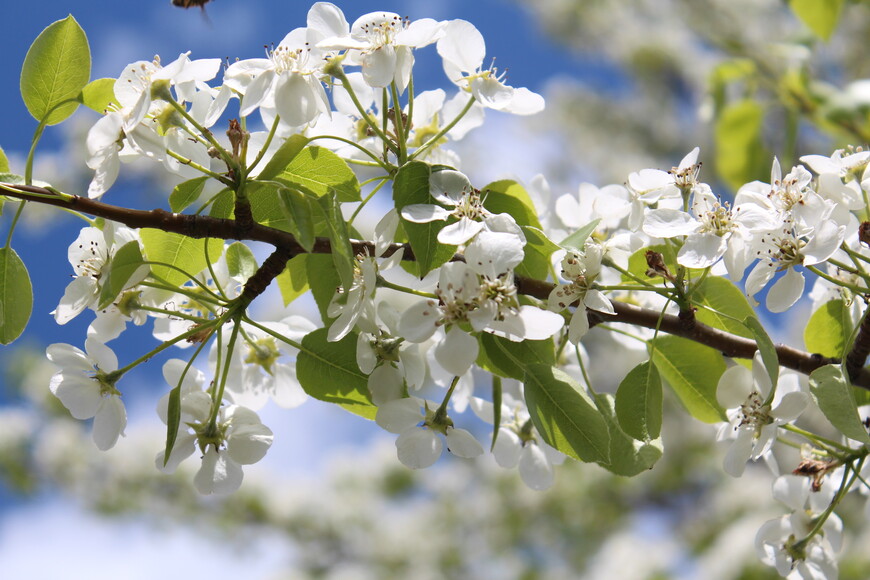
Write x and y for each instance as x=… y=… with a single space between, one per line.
x=424 y=342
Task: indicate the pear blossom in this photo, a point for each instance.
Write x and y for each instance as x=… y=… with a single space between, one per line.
x=236 y=438
x=382 y=44
x=463 y=49
x=785 y=249
x=581 y=270
x=452 y=188
x=288 y=81
x=418 y=445
x=753 y=416
x=841 y=176
x=83 y=386
x=90 y=256
x=648 y=186
x=713 y=230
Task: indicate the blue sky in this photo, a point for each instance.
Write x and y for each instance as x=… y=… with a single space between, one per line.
x=122 y=32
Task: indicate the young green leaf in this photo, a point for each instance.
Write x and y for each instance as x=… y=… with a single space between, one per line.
x=99 y=95
x=321 y=171
x=286 y=153
x=693 y=371
x=820 y=16
x=740 y=154
x=508 y=359
x=323 y=280
x=55 y=70
x=16 y=296
x=293 y=281
x=126 y=269
x=328 y=371
x=828 y=329
x=726 y=305
x=412 y=186
x=577 y=240
x=765 y=347
x=628 y=456
x=639 y=402
x=564 y=417
x=4 y=163
x=339 y=238
x=496 y=409
x=297 y=208
x=185 y=256
x=186 y=192
x=241 y=262
x=833 y=393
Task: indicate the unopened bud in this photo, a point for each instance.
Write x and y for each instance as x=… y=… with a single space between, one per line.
x=657 y=267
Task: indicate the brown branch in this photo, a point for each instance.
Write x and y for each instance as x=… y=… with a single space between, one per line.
x=211 y=227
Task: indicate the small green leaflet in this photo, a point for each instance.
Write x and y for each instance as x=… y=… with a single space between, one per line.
x=508 y=359
x=186 y=192
x=828 y=329
x=833 y=392
x=241 y=262
x=56 y=69
x=4 y=163
x=126 y=269
x=99 y=95
x=577 y=240
x=297 y=208
x=185 y=256
x=496 y=409
x=293 y=281
x=16 y=296
x=639 y=402
x=693 y=371
x=328 y=371
x=321 y=171
x=628 y=456
x=339 y=238
x=820 y=16
x=765 y=347
x=564 y=417
x=285 y=154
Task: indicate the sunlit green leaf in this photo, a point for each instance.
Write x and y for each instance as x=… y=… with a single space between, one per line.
x=57 y=67
x=740 y=154
x=99 y=95
x=834 y=395
x=293 y=281
x=639 y=402
x=286 y=153
x=241 y=262
x=828 y=329
x=185 y=256
x=765 y=347
x=628 y=456
x=186 y=192
x=692 y=370
x=339 y=239
x=320 y=171
x=16 y=296
x=820 y=16
x=509 y=359
x=126 y=265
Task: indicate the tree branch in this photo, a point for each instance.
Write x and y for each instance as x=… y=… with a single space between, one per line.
x=196 y=226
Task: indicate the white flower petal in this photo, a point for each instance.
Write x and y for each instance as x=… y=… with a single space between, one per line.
x=109 y=422
x=535 y=470
x=463 y=444
x=418 y=448
x=457 y=352
x=218 y=475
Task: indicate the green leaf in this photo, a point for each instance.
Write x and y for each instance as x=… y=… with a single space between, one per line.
x=186 y=192
x=835 y=397
x=412 y=186
x=339 y=238
x=828 y=329
x=577 y=240
x=509 y=359
x=55 y=70
x=564 y=417
x=628 y=456
x=726 y=306
x=187 y=255
x=4 y=163
x=639 y=402
x=740 y=154
x=508 y=196
x=536 y=238
x=126 y=265
x=765 y=347
x=241 y=262
x=293 y=281
x=16 y=296
x=99 y=95
x=496 y=409
x=298 y=210
x=323 y=280
x=692 y=370
x=320 y=171
x=820 y=16
x=286 y=153
x=328 y=371
x=638 y=266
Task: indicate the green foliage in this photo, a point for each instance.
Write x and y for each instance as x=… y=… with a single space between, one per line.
x=638 y=266
x=820 y=16
x=412 y=186
x=628 y=456
x=4 y=162
x=339 y=238
x=186 y=192
x=564 y=416
x=126 y=265
x=318 y=171
x=241 y=262
x=639 y=402
x=180 y=257
x=328 y=371
x=99 y=95
x=577 y=240
x=56 y=69
x=740 y=154
x=692 y=370
x=828 y=329
x=510 y=197
x=765 y=347
x=509 y=359
x=293 y=281
x=836 y=399
x=297 y=208
x=286 y=153
x=16 y=295
x=323 y=280
x=722 y=305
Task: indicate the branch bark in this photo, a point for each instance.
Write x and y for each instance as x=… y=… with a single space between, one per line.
x=196 y=226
